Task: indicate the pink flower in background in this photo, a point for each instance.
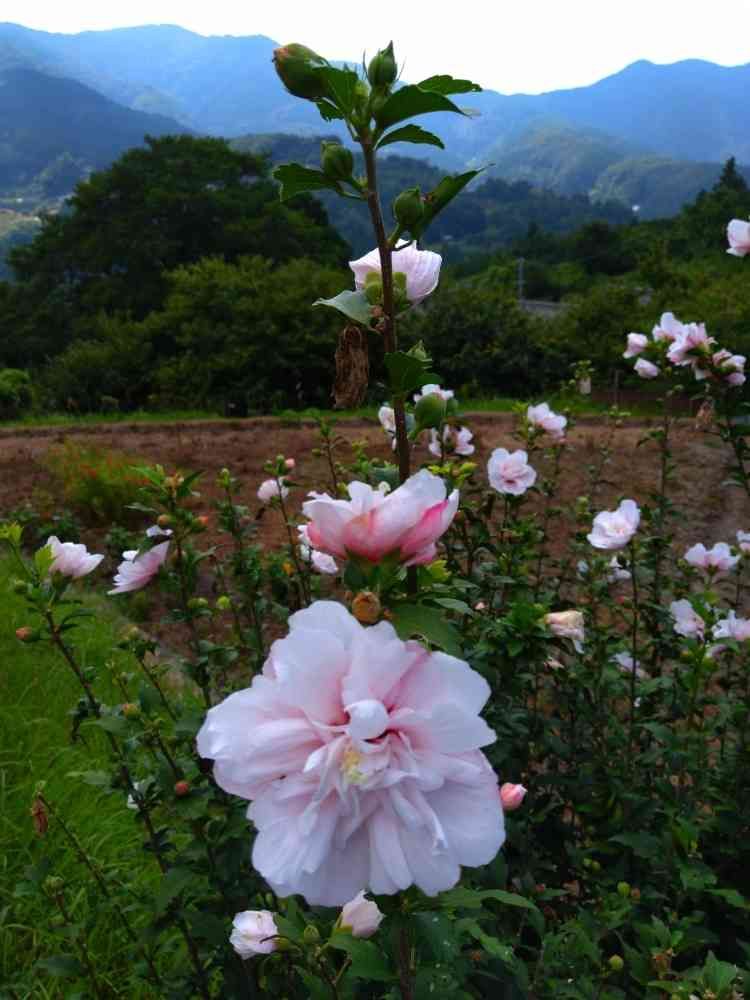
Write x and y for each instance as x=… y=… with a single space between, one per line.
x=406 y=522
x=510 y=472
x=360 y=916
x=714 y=561
x=743 y=541
x=668 y=328
x=511 y=796
x=646 y=369
x=613 y=529
x=692 y=341
x=731 y=366
x=457 y=441
x=738 y=235
x=625 y=662
x=135 y=571
x=319 y=561
x=566 y=625
x=637 y=344
x=361 y=756
x=421 y=267
x=253 y=933
x=732 y=627
x=431 y=389
x=686 y=621
x=290 y=464
x=71 y=559
x=155 y=531
x=269 y=490
x=545 y=419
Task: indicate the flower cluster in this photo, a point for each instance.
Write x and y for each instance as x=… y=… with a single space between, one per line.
x=682 y=345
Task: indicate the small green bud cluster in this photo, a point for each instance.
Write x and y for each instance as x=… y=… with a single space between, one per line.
x=408 y=208
x=337 y=161
x=299 y=69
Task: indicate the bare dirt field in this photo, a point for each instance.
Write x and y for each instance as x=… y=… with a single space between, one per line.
x=709 y=511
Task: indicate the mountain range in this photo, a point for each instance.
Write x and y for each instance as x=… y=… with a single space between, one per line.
x=649 y=135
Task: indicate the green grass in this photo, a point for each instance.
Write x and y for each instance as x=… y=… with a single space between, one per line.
x=136 y=417
x=37 y=690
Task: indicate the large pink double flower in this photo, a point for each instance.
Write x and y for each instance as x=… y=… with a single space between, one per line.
x=373 y=525
x=361 y=755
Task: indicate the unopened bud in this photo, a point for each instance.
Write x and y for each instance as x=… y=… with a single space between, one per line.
x=366 y=607
x=408 y=208
x=197 y=603
x=337 y=161
x=201 y=522
x=130 y=710
x=181 y=789
x=164 y=520
x=289 y=463
x=374 y=288
x=224 y=603
x=299 y=69
x=383 y=70
x=311 y=934
x=616 y=963
x=623 y=889
x=429 y=411
x=25 y=634
x=53 y=885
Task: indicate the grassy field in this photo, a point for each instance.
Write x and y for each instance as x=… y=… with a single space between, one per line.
x=37 y=692
x=581 y=406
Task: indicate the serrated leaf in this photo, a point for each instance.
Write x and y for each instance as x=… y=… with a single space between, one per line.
x=406 y=372
x=410 y=101
x=443 y=84
x=430 y=623
x=329 y=112
x=436 y=200
x=316 y=989
x=413 y=134
x=368 y=961
x=296 y=179
x=342 y=88
x=354 y=305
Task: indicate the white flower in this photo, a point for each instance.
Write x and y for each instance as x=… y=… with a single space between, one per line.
x=510 y=472
x=637 y=344
x=135 y=571
x=567 y=625
x=387 y=418
x=613 y=529
x=546 y=420
x=421 y=268
x=360 y=916
x=456 y=440
x=434 y=390
x=686 y=621
x=625 y=662
x=645 y=369
x=71 y=559
x=253 y=933
x=269 y=490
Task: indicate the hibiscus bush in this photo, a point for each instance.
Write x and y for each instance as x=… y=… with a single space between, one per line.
x=420 y=749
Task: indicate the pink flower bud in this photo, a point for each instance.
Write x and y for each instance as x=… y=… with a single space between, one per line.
x=360 y=916
x=290 y=463
x=253 y=933
x=511 y=796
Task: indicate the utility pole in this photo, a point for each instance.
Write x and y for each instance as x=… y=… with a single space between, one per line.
x=521 y=262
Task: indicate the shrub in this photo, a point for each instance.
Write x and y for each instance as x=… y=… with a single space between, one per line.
x=15 y=393
x=98 y=483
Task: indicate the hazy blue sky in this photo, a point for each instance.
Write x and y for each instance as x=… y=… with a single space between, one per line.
x=506 y=45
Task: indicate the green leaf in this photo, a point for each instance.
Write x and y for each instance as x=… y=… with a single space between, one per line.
x=368 y=961
x=443 y=194
x=296 y=179
x=443 y=84
x=410 y=101
x=329 y=112
x=413 y=134
x=99 y=779
x=354 y=305
x=472 y=899
x=174 y=882
x=430 y=623
x=342 y=88
x=407 y=372
x=61 y=965
x=114 y=724
x=643 y=845
x=43 y=559
x=490 y=944
x=316 y=988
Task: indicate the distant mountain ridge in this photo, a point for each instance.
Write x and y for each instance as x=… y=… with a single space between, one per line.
x=631 y=135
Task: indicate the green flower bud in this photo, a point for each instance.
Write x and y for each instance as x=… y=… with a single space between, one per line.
x=299 y=70
x=311 y=934
x=374 y=288
x=616 y=963
x=429 y=411
x=337 y=161
x=383 y=70
x=408 y=208
x=623 y=889
x=197 y=603
x=224 y=603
